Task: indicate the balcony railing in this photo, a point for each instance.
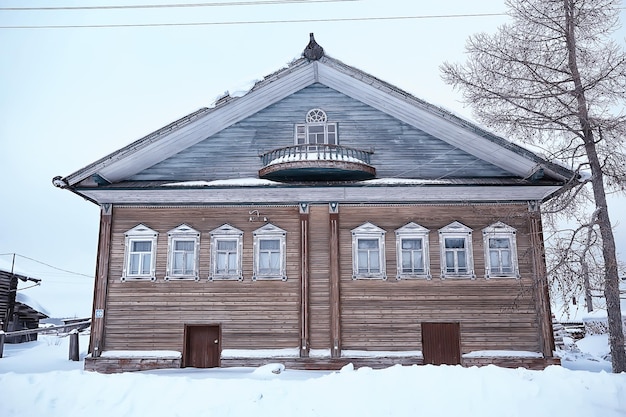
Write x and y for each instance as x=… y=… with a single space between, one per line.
x=321 y=152
x=319 y=162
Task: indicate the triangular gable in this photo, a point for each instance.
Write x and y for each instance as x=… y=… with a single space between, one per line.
x=302 y=73
x=415 y=154
x=269 y=229
x=455 y=227
x=225 y=230
x=368 y=229
x=412 y=228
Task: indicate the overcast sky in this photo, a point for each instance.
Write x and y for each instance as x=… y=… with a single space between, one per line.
x=69 y=96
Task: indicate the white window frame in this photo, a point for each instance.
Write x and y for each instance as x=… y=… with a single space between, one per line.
x=315 y=117
x=369 y=231
x=182 y=233
x=456 y=230
x=226 y=232
x=269 y=232
x=500 y=230
x=139 y=233
x=412 y=231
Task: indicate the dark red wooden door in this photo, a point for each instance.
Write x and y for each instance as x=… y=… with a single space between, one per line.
x=202 y=346
x=441 y=343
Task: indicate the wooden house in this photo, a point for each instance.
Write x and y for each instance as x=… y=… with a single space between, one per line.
x=324 y=217
x=17 y=311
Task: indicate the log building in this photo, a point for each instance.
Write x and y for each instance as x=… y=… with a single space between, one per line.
x=324 y=217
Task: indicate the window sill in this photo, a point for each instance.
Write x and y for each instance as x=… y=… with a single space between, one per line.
x=408 y=277
x=269 y=278
x=138 y=278
x=370 y=277
x=182 y=278
x=225 y=278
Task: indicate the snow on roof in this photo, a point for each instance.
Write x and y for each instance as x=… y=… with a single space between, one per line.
x=234 y=182
x=31 y=302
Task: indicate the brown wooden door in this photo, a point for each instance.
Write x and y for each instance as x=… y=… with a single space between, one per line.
x=202 y=346
x=441 y=343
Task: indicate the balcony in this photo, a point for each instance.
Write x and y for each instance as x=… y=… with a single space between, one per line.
x=317 y=163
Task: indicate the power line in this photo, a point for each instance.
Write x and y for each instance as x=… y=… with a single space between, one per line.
x=48 y=265
x=181 y=5
x=256 y=22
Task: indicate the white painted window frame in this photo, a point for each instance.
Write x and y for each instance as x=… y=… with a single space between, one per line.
x=186 y=233
x=226 y=232
x=315 y=117
x=504 y=231
x=139 y=233
x=413 y=231
x=457 y=230
x=369 y=231
x=269 y=232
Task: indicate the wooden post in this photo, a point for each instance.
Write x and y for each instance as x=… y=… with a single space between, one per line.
x=304 y=284
x=74 y=348
x=2 y=337
x=335 y=311
x=96 y=342
x=540 y=284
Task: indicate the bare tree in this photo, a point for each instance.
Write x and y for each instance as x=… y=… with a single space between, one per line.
x=553 y=77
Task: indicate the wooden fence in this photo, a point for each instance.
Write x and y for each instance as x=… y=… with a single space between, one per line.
x=73 y=328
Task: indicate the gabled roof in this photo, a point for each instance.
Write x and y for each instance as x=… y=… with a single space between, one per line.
x=300 y=74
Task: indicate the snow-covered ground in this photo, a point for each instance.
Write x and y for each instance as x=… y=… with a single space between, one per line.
x=36 y=379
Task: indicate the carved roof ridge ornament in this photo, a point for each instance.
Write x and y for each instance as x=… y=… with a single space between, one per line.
x=313 y=50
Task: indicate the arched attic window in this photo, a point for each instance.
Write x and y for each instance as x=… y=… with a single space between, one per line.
x=316 y=130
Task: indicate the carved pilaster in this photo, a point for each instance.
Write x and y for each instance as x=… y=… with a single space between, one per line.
x=96 y=341
x=305 y=336
x=335 y=311
x=540 y=282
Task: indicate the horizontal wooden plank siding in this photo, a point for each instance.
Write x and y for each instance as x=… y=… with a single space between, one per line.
x=498 y=313
x=320 y=276
x=144 y=315
x=375 y=315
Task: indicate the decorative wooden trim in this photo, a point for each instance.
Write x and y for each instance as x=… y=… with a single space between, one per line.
x=305 y=335
x=96 y=340
x=540 y=285
x=335 y=276
x=283 y=195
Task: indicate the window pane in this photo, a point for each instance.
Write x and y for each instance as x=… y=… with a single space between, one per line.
x=494 y=260
x=232 y=262
x=496 y=243
x=418 y=262
x=362 y=261
x=450 y=261
x=222 y=262
x=406 y=262
x=184 y=245
x=133 y=268
x=462 y=262
x=189 y=267
x=455 y=243
x=266 y=244
x=411 y=243
x=227 y=245
x=275 y=262
x=179 y=259
x=141 y=246
x=506 y=258
x=374 y=262
x=145 y=264
x=368 y=244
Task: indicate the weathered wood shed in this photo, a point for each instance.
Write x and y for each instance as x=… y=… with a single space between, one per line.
x=16 y=312
x=324 y=217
